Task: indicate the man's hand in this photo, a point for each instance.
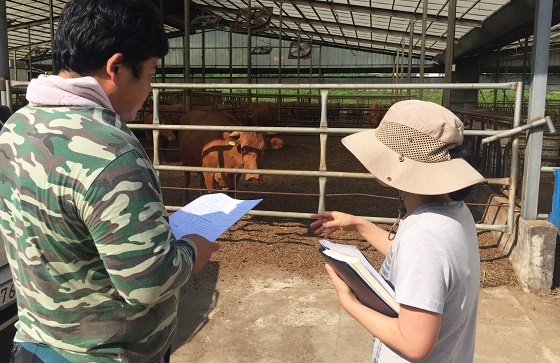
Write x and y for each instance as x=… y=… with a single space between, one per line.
x=204 y=250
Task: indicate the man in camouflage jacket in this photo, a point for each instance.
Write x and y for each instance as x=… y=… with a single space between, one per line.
x=96 y=268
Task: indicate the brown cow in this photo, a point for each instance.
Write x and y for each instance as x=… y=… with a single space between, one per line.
x=333 y=112
x=375 y=113
x=168 y=115
x=221 y=149
x=257 y=113
x=168 y=135
x=354 y=114
x=301 y=112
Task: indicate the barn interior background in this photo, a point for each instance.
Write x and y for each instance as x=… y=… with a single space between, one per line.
x=329 y=68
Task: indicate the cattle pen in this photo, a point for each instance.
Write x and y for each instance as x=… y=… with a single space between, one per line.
x=323 y=131
x=481 y=137
x=270 y=234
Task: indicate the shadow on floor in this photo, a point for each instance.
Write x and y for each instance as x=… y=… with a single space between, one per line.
x=197 y=300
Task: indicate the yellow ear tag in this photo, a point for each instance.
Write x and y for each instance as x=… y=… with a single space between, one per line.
x=232 y=143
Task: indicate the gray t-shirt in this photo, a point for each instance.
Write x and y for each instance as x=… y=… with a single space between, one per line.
x=434 y=265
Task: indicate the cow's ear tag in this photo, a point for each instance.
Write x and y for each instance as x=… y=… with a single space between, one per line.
x=232 y=143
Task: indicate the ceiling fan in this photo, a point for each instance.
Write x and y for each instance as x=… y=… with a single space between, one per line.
x=258 y=19
x=261 y=49
x=205 y=22
x=36 y=53
x=300 y=50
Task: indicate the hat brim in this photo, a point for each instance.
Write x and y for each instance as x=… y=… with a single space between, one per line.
x=409 y=175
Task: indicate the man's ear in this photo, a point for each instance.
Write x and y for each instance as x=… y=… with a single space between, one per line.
x=114 y=65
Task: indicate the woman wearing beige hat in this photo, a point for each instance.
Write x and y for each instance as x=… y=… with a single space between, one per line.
x=432 y=261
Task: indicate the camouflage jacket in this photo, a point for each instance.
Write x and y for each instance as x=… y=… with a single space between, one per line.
x=96 y=267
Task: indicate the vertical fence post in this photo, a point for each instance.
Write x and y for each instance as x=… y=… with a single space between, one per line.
x=323 y=140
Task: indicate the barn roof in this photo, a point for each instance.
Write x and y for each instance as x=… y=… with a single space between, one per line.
x=379 y=26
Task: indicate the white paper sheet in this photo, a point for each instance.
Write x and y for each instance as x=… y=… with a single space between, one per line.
x=209 y=215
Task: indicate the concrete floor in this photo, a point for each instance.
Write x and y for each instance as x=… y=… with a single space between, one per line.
x=268 y=316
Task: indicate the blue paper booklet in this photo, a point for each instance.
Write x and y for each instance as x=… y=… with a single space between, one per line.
x=209 y=215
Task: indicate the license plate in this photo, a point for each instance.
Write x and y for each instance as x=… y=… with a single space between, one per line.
x=7 y=294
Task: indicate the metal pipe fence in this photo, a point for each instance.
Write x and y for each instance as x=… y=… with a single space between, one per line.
x=324 y=131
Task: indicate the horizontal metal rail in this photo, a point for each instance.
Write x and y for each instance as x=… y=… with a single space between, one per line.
x=381 y=220
x=278 y=130
x=547 y=121
x=311 y=173
x=330 y=86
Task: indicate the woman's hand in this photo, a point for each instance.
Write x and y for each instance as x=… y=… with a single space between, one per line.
x=330 y=222
x=345 y=295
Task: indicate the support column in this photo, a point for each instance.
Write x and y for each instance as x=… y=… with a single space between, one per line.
x=423 y=50
x=449 y=50
x=162 y=61
x=249 y=46
x=537 y=100
x=410 y=47
x=467 y=71
x=187 y=56
x=51 y=29
x=4 y=57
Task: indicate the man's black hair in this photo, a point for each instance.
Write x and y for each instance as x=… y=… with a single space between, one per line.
x=91 y=31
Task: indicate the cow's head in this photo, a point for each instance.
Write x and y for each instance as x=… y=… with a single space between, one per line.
x=251 y=146
x=166 y=134
x=375 y=114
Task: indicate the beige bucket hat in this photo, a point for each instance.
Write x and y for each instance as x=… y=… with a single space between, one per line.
x=412 y=149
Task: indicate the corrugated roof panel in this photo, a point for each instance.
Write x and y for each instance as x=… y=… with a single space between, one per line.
x=344 y=16
x=400 y=24
x=383 y=4
x=392 y=40
x=364 y=35
x=381 y=21
x=438 y=28
x=364 y=2
x=291 y=11
x=362 y=19
x=326 y=15
x=389 y=16
x=308 y=12
x=306 y=27
x=408 y=6
x=335 y=31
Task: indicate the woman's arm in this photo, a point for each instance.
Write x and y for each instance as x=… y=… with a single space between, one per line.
x=414 y=333
x=330 y=222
